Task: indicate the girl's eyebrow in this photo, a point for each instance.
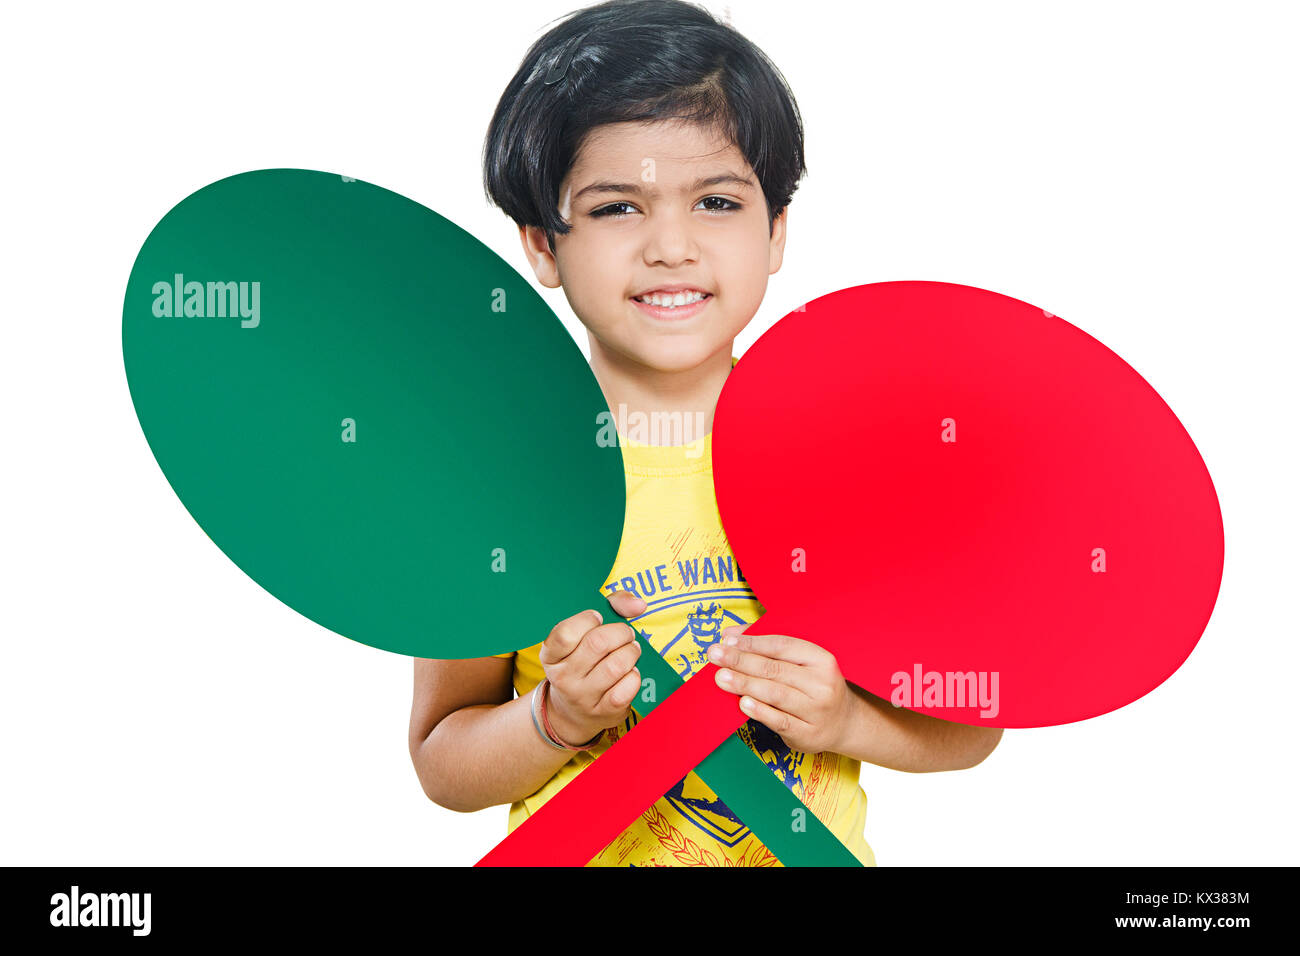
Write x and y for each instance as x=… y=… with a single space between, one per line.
x=637 y=189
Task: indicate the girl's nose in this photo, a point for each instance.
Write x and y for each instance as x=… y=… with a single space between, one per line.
x=670 y=241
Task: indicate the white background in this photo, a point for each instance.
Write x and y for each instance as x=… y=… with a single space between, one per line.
x=1130 y=167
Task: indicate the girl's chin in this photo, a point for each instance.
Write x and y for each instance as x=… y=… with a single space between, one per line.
x=679 y=353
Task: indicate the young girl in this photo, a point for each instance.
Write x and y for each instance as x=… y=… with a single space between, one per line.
x=648 y=154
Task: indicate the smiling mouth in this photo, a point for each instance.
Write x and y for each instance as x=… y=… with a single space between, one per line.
x=667 y=309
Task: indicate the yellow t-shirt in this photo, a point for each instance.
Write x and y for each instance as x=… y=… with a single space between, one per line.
x=674 y=554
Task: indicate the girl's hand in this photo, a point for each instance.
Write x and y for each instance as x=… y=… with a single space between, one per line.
x=592 y=669
x=792 y=686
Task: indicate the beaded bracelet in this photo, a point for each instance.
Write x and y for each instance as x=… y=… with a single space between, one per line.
x=545 y=687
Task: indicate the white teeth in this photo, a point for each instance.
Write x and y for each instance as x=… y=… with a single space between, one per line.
x=671 y=300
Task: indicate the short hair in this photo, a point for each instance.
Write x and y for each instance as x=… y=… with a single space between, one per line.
x=636 y=61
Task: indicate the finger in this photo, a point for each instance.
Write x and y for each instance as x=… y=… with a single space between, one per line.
x=755 y=664
x=628 y=604
x=597 y=644
x=775 y=720
x=781 y=696
x=566 y=636
x=620 y=696
x=780 y=646
x=613 y=667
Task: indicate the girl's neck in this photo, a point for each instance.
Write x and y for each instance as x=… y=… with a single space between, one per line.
x=693 y=393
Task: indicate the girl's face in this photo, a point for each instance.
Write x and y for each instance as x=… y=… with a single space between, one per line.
x=663 y=204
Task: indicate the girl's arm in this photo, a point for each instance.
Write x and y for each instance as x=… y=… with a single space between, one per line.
x=900 y=739
x=796 y=688
x=474 y=746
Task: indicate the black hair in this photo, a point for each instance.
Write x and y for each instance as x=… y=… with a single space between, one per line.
x=636 y=61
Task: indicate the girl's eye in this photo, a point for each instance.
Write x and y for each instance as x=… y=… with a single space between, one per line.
x=730 y=205
x=611 y=210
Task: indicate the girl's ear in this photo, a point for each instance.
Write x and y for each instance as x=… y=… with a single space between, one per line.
x=540 y=256
x=776 y=246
